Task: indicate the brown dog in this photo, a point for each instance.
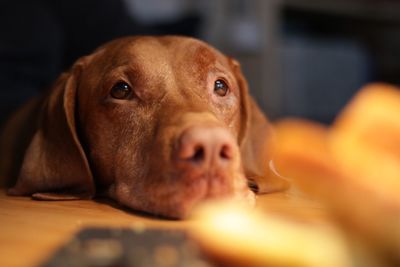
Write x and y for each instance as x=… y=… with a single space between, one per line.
x=156 y=123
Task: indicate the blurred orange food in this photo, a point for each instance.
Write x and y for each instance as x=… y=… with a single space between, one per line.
x=352 y=166
x=366 y=140
x=236 y=236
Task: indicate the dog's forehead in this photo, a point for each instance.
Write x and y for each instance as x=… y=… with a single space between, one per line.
x=165 y=53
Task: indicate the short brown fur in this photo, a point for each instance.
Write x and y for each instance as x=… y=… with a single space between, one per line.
x=80 y=142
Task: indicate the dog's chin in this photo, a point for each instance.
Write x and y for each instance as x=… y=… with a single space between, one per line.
x=179 y=201
x=206 y=189
x=181 y=208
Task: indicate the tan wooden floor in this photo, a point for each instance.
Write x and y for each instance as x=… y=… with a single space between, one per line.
x=30 y=231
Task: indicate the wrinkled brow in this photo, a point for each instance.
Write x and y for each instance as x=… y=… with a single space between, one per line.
x=202 y=60
x=204 y=57
x=127 y=70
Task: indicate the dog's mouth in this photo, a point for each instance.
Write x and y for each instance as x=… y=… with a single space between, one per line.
x=190 y=192
x=176 y=196
x=253 y=186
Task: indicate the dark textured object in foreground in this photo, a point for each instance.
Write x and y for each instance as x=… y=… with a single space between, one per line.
x=116 y=247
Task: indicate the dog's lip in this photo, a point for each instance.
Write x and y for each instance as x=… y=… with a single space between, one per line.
x=178 y=201
x=215 y=186
x=240 y=195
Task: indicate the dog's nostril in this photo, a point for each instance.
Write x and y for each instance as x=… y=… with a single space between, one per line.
x=206 y=147
x=226 y=152
x=198 y=154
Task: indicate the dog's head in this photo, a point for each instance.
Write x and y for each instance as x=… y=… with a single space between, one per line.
x=157 y=123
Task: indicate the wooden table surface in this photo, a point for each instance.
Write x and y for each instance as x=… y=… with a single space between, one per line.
x=30 y=231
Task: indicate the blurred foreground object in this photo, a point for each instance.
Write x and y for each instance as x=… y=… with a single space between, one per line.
x=353 y=167
x=127 y=247
x=237 y=236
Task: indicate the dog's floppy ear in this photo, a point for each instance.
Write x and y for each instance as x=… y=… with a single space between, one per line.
x=55 y=165
x=256 y=135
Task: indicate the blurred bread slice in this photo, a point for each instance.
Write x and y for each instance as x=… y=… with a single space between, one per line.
x=365 y=139
x=236 y=236
x=353 y=167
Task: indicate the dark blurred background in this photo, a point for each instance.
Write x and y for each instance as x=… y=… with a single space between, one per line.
x=301 y=57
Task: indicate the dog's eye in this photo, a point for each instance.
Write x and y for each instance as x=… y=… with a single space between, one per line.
x=121 y=90
x=220 y=88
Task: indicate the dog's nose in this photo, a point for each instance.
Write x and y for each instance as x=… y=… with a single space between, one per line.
x=206 y=146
